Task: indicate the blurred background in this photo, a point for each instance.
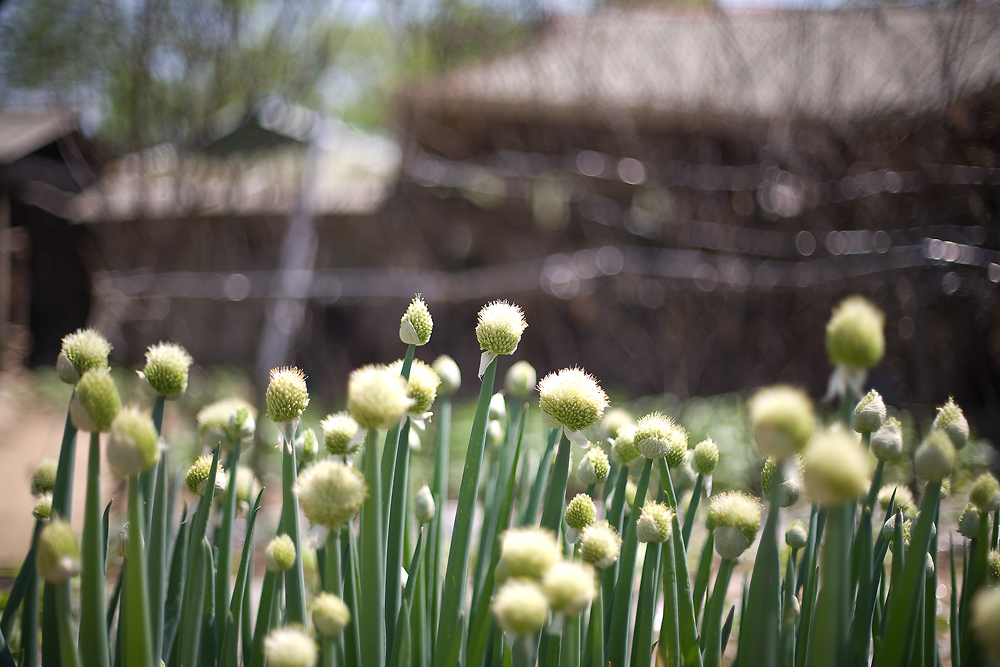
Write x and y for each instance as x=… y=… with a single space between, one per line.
x=677 y=193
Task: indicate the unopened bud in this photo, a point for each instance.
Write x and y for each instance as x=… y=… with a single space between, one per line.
x=500 y=327
x=569 y=587
x=520 y=379
x=836 y=467
x=706 y=457
x=797 y=535
x=286 y=396
x=951 y=420
x=655 y=523
x=529 y=552
x=887 y=442
x=166 y=370
x=95 y=403
x=781 y=420
x=854 y=334
x=870 y=413
x=934 y=460
x=734 y=518
x=339 y=434
x=520 y=607
x=43 y=480
x=330 y=493
x=133 y=445
x=330 y=614
x=306 y=446
x=290 y=647
x=448 y=371
x=43 y=507
x=280 y=554
x=376 y=397
x=57 y=555
x=985 y=493
x=593 y=467
x=416 y=325
x=423 y=506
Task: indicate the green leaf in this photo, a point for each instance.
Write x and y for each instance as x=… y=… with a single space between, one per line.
x=713 y=614
x=138 y=641
x=956 y=654
x=93 y=634
x=224 y=541
x=175 y=585
x=670 y=633
x=229 y=643
x=704 y=572
x=295 y=586
x=828 y=647
x=761 y=628
x=642 y=641
x=270 y=588
x=435 y=545
x=20 y=586
x=541 y=477
x=692 y=509
x=453 y=596
x=390 y=448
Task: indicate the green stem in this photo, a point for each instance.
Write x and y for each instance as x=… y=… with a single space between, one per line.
x=704 y=572
x=864 y=605
x=643 y=642
x=523 y=651
x=234 y=617
x=538 y=486
x=786 y=640
x=64 y=616
x=829 y=646
x=352 y=636
x=295 y=589
x=436 y=543
x=614 y=518
x=692 y=509
x=29 y=622
x=690 y=653
x=138 y=646
x=555 y=496
x=148 y=478
x=713 y=615
x=333 y=647
x=62 y=505
x=461 y=539
x=956 y=654
x=670 y=634
x=158 y=556
x=224 y=540
x=618 y=644
x=761 y=628
x=397 y=529
x=20 y=587
x=372 y=561
x=270 y=586
x=597 y=627
x=93 y=638
x=391 y=447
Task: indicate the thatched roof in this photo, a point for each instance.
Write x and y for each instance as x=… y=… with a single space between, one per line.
x=667 y=64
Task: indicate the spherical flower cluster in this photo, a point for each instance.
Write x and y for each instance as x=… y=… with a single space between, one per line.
x=166 y=371
x=934 y=459
x=781 y=482
x=854 y=334
x=290 y=647
x=95 y=403
x=571 y=398
x=781 y=420
x=82 y=350
x=43 y=480
x=734 y=518
x=985 y=493
x=416 y=325
x=903 y=499
x=657 y=437
x=569 y=587
x=797 y=535
x=968 y=523
x=951 y=420
x=520 y=379
x=500 y=327
x=330 y=614
x=528 y=552
x=448 y=371
x=279 y=554
x=287 y=396
x=498 y=408
x=705 y=457
x=330 y=493
x=836 y=467
x=887 y=442
x=376 y=397
x=986 y=618
x=624 y=449
x=870 y=413
x=655 y=523
x=423 y=505
x=600 y=545
x=134 y=445
x=580 y=513
x=614 y=421
x=229 y=421
x=521 y=607
x=594 y=467
x=43 y=507
x=57 y=554
x=196 y=479
x=421 y=387
x=340 y=434
x=306 y=446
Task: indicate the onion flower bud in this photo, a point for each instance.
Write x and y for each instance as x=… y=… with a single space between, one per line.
x=951 y=420
x=624 y=449
x=706 y=457
x=286 y=396
x=614 y=421
x=330 y=614
x=569 y=587
x=330 y=493
x=43 y=507
x=376 y=397
x=580 y=513
x=520 y=379
x=280 y=554
x=836 y=467
x=985 y=493
x=520 y=607
x=306 y=446
x=797 y=535
x=986 y=619
x=57 y=555
x=95 y=403
x=655 y=523
x=571 y=399
x=854 y=334
x=600 y=545
x=423 y=505
x=734 y=518
x=904 y=499
x=166 y=371
x=229 y=421
x=657 y=437
x=290 y=647
x=43 y=480
x=499 y=331
x=82 y=350
x=448 y=371
x=498 y=408
x=782 y=482
x=134 y=445
x=781 y=420
x=935 y=457
x=887 y=442
x=870 y=413
x=421 y=388
x=340 y=434
x=416 y=325
x=529 y=552
x=197 y=476
x=594 y=467
x=247 y=486
x=968 y=523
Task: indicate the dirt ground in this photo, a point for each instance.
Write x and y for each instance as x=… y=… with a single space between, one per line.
x=28 y=434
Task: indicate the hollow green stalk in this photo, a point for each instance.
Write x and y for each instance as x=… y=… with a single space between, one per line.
x=670 y=637
x=618 y=637
x=704 y=572
x=228 y=647
x=808 y=579
x=692 y=509
x=530 y=513
x=29 y=622
x=762 y=627
x=435 y=544
x=175 y=586
x=976 y=579
x=295 y=588
x=713 y=614
x=138 y=645
x=62 y=505
x=93 y=638
x=643 y=633
x=270 y=589
x=352 y=636
x=461 y=539
x=864 y=607
x=390 y=448
x=523 y=651
x=690 y=653
x=828 y=647
x=21 y=584
x=157 y=557
x=64 y=615
x=372 y=561
x=333 y=647
x=786 y=639
x=148 y=479
x=956 y=653
x=397 y=529
x=614 y=517
x=224 y=540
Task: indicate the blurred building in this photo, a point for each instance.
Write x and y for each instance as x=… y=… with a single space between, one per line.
x=677 y=199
